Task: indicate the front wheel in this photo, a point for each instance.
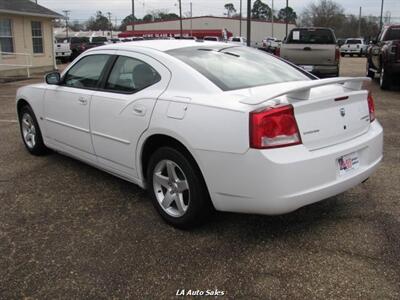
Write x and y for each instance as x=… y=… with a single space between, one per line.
x=30 y=132
x=177 y=189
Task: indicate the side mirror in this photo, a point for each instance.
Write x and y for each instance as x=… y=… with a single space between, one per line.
x=53 y=78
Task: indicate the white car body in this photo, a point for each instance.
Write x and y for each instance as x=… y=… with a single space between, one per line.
x=354 y=46
x=109 y=130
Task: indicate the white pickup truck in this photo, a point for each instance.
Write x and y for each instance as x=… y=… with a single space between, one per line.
x=62 y=49
x=314 y=49
x=354 y=47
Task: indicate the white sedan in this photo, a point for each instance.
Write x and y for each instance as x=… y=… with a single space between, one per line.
x=206 y=125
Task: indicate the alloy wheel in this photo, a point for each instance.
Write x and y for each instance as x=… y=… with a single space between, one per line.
x=171 y=188
x=28 y=130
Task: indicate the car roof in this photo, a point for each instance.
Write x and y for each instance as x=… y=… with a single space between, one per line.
x=161 y=45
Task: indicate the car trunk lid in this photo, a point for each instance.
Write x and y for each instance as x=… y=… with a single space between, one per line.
x=328 y=111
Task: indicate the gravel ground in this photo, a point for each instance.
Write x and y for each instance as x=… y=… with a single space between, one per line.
x=68 y=230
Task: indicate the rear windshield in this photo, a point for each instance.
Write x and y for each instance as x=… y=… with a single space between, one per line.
x=235 y=67
x=311 y=36
x=76 y=40
x=62 y=40
x=99 y=39
x=393 y=34
x=353 y=42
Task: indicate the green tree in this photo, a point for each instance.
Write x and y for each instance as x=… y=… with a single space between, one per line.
x=289 y=13
x=127 y=20
x=99 y=22
x=230 y=9
x=261 y=11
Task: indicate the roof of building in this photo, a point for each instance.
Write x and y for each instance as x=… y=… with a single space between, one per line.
x=161 y=45
x=26 y=7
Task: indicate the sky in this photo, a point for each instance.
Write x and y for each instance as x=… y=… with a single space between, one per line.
x=82 y=9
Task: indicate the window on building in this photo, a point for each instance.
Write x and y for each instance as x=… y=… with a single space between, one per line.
x=37 y=37
x=6 y=38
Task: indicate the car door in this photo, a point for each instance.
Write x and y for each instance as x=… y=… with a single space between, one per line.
x=66 y=106
x=121 y=111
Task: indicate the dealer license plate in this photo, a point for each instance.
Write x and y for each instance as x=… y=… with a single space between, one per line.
x=348 y=162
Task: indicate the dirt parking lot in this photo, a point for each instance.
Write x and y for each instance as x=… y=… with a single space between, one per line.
x=68 y=230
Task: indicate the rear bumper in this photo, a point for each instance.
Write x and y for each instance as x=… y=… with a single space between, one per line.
x=281 y=180
x=326 y=71
x=351 y=51
x=63 y=54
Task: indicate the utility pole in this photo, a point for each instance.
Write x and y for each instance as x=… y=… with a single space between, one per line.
x=272 y=19
x=381 y=22
x=191 y=19
x=359 y=22
x=66 y=13
x=248 y=23
x=109 y=20
x=133 y=15
x=240 y=19
x=180 y=18
x=287 y=17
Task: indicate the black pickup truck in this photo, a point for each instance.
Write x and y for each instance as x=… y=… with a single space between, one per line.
x=383 y=56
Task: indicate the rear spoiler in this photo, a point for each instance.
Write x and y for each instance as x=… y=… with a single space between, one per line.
x=302 y=91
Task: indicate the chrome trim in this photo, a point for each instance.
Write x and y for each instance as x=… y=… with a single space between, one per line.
x=67 y=125
x=111 y=138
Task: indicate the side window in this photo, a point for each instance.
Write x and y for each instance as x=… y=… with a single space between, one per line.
x=86 y=72
x=130 y=75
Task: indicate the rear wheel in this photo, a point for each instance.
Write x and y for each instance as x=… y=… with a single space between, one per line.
x=177 y=189
x=384 y=80
x=30 y=132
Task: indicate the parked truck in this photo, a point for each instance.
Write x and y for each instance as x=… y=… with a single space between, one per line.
x=313 y=49
x=383 y=56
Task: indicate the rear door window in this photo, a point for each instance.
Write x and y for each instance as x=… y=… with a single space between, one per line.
x=311 y=36
x=130 y=75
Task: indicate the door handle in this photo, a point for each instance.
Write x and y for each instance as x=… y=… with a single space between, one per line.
x=82 y=100
x=139 y=110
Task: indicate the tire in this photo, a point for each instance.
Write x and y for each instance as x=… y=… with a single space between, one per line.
x=384 y=79
x=342 y=54
x=174 y=179
x=30 y=132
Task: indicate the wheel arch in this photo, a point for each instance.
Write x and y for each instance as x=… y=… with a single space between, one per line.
x=154 y=141
x=21 y=102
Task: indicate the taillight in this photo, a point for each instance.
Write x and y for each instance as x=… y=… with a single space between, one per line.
x=371 y=107
x=337 y=54
x=274 y=127
x=278 y=51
